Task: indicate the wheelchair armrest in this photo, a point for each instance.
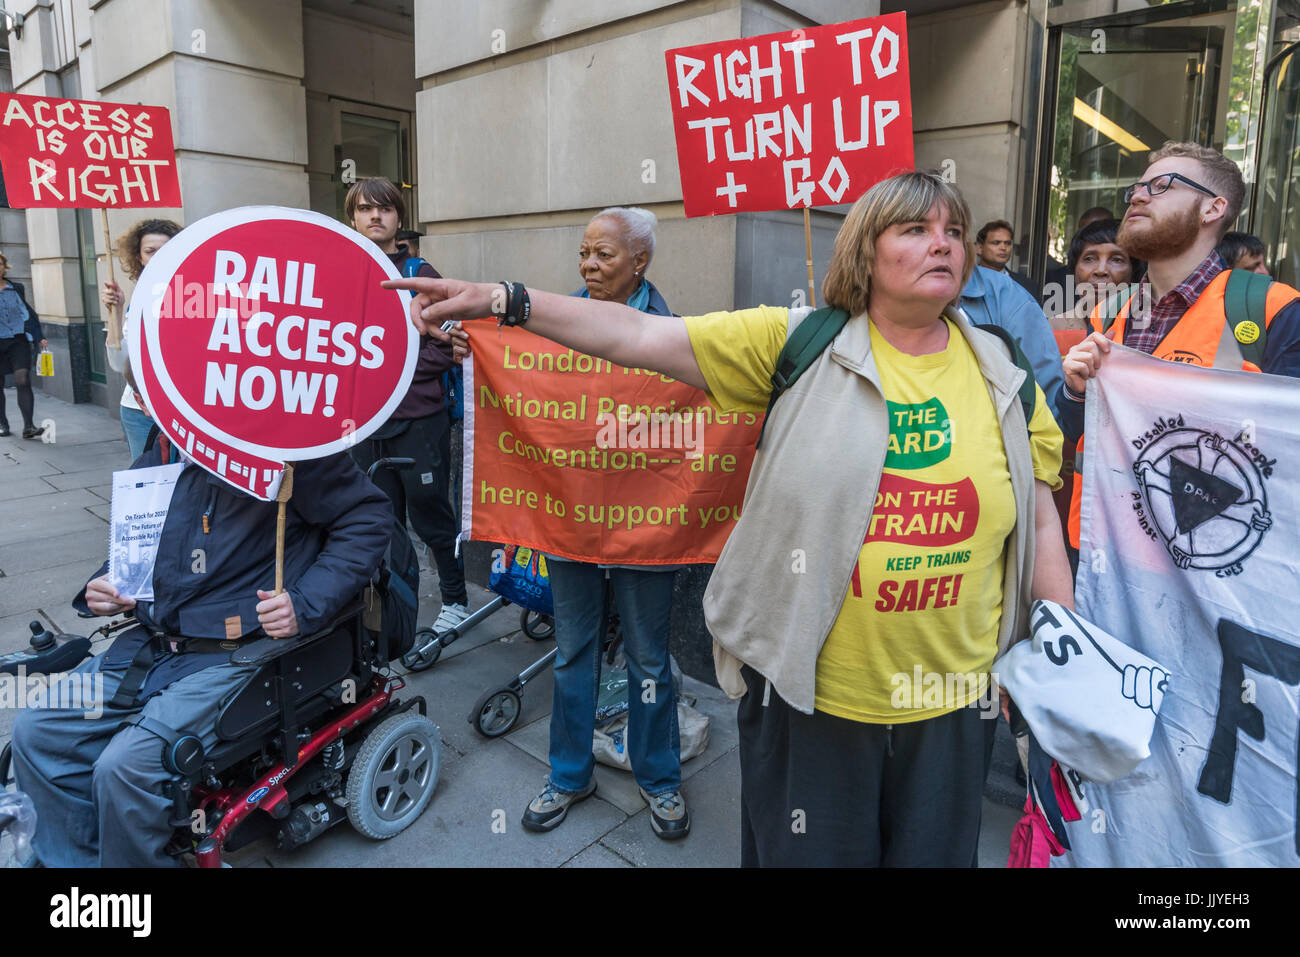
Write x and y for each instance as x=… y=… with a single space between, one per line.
x=262 y=650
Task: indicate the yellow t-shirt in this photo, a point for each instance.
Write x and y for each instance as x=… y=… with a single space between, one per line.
x=917 y=633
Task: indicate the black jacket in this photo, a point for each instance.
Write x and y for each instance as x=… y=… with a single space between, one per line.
x=337 y=527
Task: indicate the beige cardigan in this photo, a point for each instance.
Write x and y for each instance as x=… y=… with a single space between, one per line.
x=812 y=489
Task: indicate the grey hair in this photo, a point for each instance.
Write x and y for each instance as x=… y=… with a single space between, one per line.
x=638 y=227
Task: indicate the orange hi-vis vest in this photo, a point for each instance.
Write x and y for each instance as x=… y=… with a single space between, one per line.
x=1202 y=337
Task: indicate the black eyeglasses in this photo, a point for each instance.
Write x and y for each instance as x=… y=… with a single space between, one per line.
x=1160 y=184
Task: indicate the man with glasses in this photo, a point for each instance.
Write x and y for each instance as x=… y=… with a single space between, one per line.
x=1187 y=199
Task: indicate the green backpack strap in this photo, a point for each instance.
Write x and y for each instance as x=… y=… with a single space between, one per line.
x=1245 y=300
x=1029 y=388
x=802 y=347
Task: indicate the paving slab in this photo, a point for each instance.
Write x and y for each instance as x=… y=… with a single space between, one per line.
x=14 y=466
x=19 y=489
x=47 y=587
x=455 y=682
x=51 y=515
x=102 y=510
x=69 y=457
x=597 y=856
x=86 y=478
x=713 y=797
x=618 y=786
x=46 y=551
x=14 y=633
x=996 y=826
x=490 y=786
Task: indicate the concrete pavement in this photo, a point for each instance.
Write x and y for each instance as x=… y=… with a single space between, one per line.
x=55 y=498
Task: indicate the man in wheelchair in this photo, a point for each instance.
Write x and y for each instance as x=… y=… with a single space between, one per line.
x=100 y=785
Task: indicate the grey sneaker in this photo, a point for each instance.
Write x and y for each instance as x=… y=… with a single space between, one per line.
x=669 y=818
x=451 y=616
x=548 y=809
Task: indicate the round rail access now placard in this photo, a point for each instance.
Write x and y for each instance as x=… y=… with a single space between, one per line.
x=261 y=335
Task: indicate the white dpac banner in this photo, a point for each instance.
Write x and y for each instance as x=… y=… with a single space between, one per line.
x=1189 y=553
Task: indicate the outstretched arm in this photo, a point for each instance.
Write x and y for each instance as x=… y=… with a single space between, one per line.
x=607 y=330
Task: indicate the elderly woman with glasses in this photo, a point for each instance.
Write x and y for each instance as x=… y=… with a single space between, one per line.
x=903 y=469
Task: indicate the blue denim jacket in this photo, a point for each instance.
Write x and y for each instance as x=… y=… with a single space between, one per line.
x=32 y=327
x=993 y=297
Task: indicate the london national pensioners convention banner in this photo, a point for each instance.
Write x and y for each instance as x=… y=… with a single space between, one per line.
x=589 y=460
x=1191 y=518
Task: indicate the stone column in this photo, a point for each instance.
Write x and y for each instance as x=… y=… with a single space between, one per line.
x=230 y=72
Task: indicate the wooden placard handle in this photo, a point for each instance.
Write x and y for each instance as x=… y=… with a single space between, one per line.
x=807 y=242
x=112 y=321
x=282 y=497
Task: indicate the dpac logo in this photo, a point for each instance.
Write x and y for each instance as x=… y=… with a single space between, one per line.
x=1204 y=496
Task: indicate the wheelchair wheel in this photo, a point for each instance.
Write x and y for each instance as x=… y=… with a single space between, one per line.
x=496 y=712
x=425 y=652
x=6 y=757
x=537 y=626
x=394 y=774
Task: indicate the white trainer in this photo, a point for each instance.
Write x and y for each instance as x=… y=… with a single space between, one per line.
x=450 y=617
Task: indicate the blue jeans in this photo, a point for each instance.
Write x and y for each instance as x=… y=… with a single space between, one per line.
x=135 y=426
x=645 y=604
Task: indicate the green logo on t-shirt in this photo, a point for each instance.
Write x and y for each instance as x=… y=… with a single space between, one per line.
x=920 y=434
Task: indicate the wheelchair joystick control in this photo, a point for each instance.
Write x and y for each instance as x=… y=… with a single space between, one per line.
x=41 y=639
x=46 y=653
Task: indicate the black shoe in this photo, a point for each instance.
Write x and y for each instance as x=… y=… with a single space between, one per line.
x=4 y=429
x=34 y=432
x=669 y=818
x=548 y=809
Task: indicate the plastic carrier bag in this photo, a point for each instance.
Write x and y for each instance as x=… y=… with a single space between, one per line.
x=524 y=580
x=609 y=743
x=17 y=825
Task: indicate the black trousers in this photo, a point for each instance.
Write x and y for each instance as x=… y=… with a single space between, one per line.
x=419 y=493
x=822 y=791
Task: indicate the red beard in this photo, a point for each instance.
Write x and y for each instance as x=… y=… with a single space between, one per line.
x=1161 y=238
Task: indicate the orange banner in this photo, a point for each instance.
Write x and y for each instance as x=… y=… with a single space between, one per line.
x=588 y=460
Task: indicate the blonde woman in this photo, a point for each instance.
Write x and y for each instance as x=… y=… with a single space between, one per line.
x=897 y=524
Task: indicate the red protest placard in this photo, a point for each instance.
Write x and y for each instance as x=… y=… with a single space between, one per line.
x=85 y=153
x=803 y=118
x=262 y=336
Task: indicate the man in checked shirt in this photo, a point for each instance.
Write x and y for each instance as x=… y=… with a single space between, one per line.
x=1188 y=198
